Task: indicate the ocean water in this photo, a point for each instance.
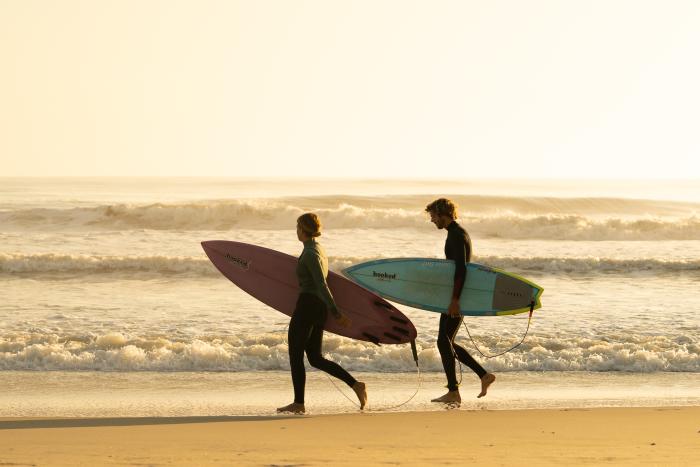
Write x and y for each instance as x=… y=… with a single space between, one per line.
x=104 y=284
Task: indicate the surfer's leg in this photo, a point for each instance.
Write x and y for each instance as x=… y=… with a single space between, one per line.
x=299 y=328
x=444 y=344
x=448 y=364
x=463 y=356
x=313 y=353
x=296 y=336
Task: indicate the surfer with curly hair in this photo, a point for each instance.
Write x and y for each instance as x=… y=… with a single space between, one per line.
x=309 y=317
x=443 y=213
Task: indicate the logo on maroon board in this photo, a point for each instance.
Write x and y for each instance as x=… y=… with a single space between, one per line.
x=240 y=262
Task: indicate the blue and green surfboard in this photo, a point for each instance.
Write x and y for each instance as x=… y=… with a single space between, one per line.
x=426 y=283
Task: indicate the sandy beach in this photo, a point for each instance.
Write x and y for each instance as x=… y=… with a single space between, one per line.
x=611 y=436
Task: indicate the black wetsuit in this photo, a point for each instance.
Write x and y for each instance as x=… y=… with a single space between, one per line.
x=309 y=317
x=458 y=247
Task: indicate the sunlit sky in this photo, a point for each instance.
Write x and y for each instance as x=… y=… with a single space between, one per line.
x=374 y=89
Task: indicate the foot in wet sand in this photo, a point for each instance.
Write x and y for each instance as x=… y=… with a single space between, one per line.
x=292 y=408
x=486 y=381
x=361 y=391
x=452 y=397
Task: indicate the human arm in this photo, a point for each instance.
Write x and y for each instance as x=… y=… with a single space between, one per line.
x=456 y=251
x=316 y=268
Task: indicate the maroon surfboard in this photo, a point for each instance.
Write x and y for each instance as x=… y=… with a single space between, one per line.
x=270 y=276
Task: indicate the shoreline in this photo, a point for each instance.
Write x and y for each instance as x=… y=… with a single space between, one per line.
x=616 y=436
x=61 y=394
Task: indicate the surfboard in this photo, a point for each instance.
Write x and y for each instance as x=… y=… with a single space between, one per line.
x=427 y=283
x=270 y=276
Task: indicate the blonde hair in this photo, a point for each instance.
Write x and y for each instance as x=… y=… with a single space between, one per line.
x=310 y=224
x=443 y=207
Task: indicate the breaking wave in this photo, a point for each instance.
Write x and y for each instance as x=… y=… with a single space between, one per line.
x=555 y=219
x=118 y=352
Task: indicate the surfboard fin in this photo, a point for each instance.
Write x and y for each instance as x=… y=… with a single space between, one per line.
x=415 y=351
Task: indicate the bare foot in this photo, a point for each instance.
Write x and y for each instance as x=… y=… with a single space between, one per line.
x=452 y=397
x=292 y=408
x=486 y=381
x=361 y=391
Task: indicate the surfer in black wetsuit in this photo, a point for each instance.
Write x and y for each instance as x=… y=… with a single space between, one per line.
x=443 y=213
x=309 y=317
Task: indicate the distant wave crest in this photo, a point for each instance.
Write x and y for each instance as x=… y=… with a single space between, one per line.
x=543 y=221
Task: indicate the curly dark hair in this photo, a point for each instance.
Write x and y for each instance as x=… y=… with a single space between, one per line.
x=442 y=207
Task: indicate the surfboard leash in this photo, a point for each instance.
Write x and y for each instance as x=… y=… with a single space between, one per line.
x=414 y=351
x=529 y=319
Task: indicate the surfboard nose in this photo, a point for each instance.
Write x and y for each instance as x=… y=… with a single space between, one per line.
x=206 y=246
x=213 y=247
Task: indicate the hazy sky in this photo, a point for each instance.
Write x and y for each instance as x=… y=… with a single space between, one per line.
x=376 y=88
